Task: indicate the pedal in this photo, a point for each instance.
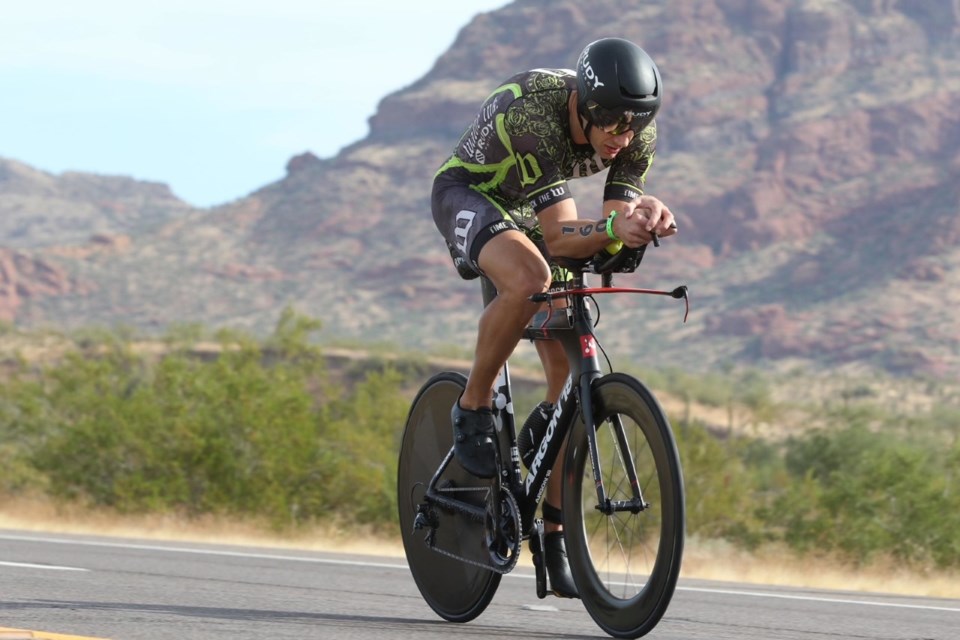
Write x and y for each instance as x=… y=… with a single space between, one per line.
x=539 y=561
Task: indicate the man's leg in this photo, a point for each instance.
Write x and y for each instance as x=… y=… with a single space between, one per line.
x=555 y=366
x=516 y=268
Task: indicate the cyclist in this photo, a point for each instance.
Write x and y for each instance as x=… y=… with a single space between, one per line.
x=503 y=205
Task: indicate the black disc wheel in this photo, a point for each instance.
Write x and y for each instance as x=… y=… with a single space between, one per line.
x=456 y=590
x=625 y=554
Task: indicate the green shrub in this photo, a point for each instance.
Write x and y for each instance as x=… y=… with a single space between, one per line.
x=719 y=488
x=259 y=430
x=363 y=434
x=255 y=431
x=868 y=494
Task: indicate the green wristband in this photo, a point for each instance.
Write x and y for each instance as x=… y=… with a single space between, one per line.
x=613 y=214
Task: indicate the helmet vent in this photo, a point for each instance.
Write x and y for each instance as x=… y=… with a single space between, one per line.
x=638 y=96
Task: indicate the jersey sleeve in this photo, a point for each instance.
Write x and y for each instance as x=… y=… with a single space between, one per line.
x=537 y=139
x=628 y=173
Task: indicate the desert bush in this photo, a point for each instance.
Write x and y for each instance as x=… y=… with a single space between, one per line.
x=363 y=433
x=718 y=486
x=869 y=494
x=257 y=429
x=243 y=433
x=227 y=435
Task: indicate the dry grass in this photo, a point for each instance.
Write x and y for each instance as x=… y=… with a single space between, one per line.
x=41 y=515
x=710 y=560
x=776 y=566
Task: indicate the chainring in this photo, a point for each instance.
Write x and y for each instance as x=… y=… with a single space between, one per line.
x=503 y=530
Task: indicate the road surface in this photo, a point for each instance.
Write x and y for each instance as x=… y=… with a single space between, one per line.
x=125 y=589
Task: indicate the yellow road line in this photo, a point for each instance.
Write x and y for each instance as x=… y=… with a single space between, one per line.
x=23 y=634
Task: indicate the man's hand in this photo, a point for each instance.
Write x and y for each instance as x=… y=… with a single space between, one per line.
x=641 y=218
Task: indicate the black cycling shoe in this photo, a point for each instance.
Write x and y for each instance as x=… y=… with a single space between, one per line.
x=474 y=440
x=558 y=567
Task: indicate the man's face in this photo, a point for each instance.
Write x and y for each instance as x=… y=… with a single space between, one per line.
x=608 y=143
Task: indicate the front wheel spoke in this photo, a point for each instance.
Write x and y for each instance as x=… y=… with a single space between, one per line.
x=621 y=547
x=619 y=536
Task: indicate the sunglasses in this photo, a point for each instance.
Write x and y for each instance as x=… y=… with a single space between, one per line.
x=616 y=122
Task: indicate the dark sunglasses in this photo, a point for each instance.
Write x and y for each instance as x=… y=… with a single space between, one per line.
x=616 y=122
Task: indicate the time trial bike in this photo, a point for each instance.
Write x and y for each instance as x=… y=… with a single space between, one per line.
x=623 y=498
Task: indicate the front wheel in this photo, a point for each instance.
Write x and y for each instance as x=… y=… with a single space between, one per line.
x=625 y=562
x=457 y=591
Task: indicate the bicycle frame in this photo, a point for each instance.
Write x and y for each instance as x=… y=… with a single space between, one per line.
x=572 y=327
x=462 y=533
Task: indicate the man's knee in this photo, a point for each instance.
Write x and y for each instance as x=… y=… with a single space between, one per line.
x=528 y=279
x=515 y=266
x=536 y=277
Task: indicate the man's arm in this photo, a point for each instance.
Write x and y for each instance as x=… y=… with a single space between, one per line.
x=567 y=235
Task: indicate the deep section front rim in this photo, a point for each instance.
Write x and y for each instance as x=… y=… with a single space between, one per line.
x=625 y=564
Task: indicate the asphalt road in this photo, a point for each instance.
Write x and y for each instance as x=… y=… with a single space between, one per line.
x=144 y=590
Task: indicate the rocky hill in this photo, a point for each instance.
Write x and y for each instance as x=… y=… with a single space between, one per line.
x=38 y=209
x=809 y=148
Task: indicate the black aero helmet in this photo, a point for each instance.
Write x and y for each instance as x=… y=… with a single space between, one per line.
x=618 y=86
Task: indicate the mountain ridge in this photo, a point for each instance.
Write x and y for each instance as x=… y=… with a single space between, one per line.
x=818 y=207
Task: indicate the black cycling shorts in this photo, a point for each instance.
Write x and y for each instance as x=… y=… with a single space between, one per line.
x=467 y=219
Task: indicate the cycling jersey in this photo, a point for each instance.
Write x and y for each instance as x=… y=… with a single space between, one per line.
x=515 y=160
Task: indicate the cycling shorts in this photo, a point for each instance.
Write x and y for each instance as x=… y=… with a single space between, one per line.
x=467 y=220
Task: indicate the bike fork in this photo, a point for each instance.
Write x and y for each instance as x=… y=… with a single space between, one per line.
x=604 y=504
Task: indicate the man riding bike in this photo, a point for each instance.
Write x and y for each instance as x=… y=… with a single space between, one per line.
x=503 y=205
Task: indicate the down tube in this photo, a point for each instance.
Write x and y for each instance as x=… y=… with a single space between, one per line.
x=535 y=482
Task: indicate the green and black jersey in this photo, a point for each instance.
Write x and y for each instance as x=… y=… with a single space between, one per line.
x=519 y=151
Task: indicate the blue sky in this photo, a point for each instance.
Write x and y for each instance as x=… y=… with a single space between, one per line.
x=209 y=96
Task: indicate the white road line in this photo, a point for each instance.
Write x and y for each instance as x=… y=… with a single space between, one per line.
x=51 y=567
x=209 y=552
x=788 y=596
x=403 y=566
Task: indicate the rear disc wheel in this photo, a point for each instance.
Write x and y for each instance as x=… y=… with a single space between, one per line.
x=457 y=591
